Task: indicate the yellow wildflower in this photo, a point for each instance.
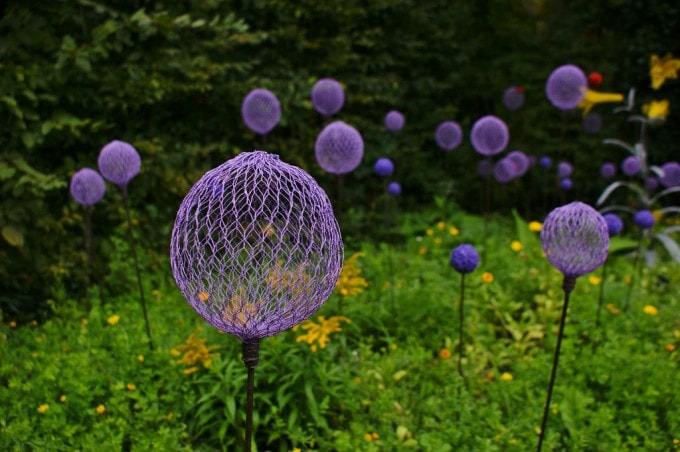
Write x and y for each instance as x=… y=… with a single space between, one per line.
x=239 y=311
x=196 y=352
x=593 y=98
x=650 y=310
x=368 y=438
x=656 y=110
x=112 y=320
x=437 y=241
x=658 y=215
x=594 y=280
x=62 y=399
x=101 y=409
x=190 y=370
x=429 y=232
x=444 y=353
x=131 y=387
x=140 y=358
x=535 y=226
x=294 y=281
x=12 y=324
x=441 y=226
x=351 y=282
x=374 y=435
x=42 y=408
x=505 y=376
x=297 y=449
x=516 y=246
x=661 y=69
x=613 y=309
x=422 y=250
x=454 y=231
x=157 y=294
x=83 y=321
x=318 y=333
x=487 y=277
x=203 y=296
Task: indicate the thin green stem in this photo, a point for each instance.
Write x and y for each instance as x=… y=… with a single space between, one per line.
x=636 y=262
x=600 y=298
x=461 y=348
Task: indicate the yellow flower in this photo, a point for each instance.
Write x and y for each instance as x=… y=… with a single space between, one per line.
x=661 y=69
x=293 y=281
x=12 y=324
x=62 y=399
x=140 y=358
x=83 y=321
x=318 y=333
x=516 y=246
x=297 y=449
x=658 y=214
x=42 y=408
x=454 y=231
x=594 y=97
x=131 y=387
x=157 y=294
x=374 y=435
x=422 y=250
x=670 y=347
x=651 y=310
x=196 y=352
x=190 y=370
x=101 y=409
x=437 y=241
x=613 y=309
x=444 y=353
x=441 y=226
x=351 y=282
x=656 y=110
x=368 y=437
x=429 y=232
x=487 y=277
x=112 y=320
x=505 y=376
x=240 y=312
x=535 y=226
x=594 y=280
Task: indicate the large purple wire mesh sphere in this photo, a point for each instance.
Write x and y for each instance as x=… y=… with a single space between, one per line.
x=564 y=169
x=671 y=174
x=448 y=135
x=575 y=239
x=87 y=187
x=504 y=171
x=255 y=248
x=489 y=135
x=614 y=223
x=383 y=167
x=339 y=148
x=592 y=123
x=261 y=110
x=394 y=189
x=566 y=87
x=513 y=97
x=630 y=166
x=644 y=219
x=328 y=97
x=464 y=258
x=119 y=162
x=608 y=170
x=394 y=121
x=521 y=162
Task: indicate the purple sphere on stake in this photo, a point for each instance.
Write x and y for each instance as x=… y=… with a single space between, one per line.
x=566 y=184
x=671 y=174
x=521 y=162
x=614 y=224
x=630 y=166
x=328 y=97
x=651 y=183
x=261 y=111
x=566 y=87
x=448 y=135
x=489 y=135
x=564 y=169
x=592 y=123
x=383 y=167
x=644 y=219
x=339 y=148
x=545 y=162
x=394 y=121
x=608 y=170
x=394 y=189
x=87 y=187
x=119 y=162
x=513 y=97
x=464 y=258
x=255 y=247
x=504 y=171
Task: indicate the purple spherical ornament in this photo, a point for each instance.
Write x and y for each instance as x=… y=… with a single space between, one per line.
x=119 y=162
x=87 y=187
x=575 y=239
x=448 y=135
x=339 y=148
x=592 y=123
x=608 y=170
x=566 y=87
x=521 y=162
x=544 y=162
x=614 y=224
x=644 y=219
x=504 y=171
x=394 y=121
x=261 y=110
x=485 y=167
x=671 y=174
x=328 y=97
x=651 y=183
x=513 y=97
x=630 y=166
x=564 y=169
x=394 y=189
x=383 y=167
x=489 y=135
x=566 y=184
x=464 y=258
x=255 y=248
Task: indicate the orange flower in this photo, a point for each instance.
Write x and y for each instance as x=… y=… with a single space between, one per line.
x=444 y=353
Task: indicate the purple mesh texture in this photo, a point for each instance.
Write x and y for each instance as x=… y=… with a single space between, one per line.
x=394 y=121
x=328 y=97
x=394 y=189
x=489 y=135
x=644 y=219
x=592 y=123
x=564 y=169
x=261 y=111
x=521 y=162
x=630 y=166
x=513 y=98
x=671 y=174
x=448 y=135
x=504 y=171
x=383 y=167
x=119 y=162
x=255 y=248
x=651 y=183
x=464 y=258
x=566 y=184
x=485 y=168
x=575 y=239
x=87 y=187
x=608 y=170
x=339 y=148
x=566 y=87
x=544 y=162
x=614 y=224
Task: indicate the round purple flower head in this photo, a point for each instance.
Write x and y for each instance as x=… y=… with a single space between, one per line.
x=255 y=248
x=119 y=162
x=394 y=189
x=513 y=97
x=383 y=167
x=328 y=97
x=87 y=187
x=464 y=258
x=575 y=239
x=651 y=183
x=448 y=135
x=630 y=166
x=485 y=167
x=566 y=184
x=614 y=224
x=564 y=169
x=566 y=87
x=521 y=162
x=394 y=121
x=644 y=219
x=671 y=174
x=544 y=162
x=608 y=170
x=261 y=110
x=504 y=171
x=592 y=123
x=339 y=148
x=489 y=135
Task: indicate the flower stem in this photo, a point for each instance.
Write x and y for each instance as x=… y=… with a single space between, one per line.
x=636 y=262
x=461 y=349
x=601 y=295
x=251 y=356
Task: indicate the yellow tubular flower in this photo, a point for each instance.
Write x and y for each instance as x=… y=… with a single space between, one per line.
x=661 y=69
x=656 y=110
x=593 y=98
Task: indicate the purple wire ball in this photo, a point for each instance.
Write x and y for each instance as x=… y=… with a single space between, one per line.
x=575 y=239
x=644 y=219
x=614 y=224
x=671 y=174
x=394 y=121
x=545 y=162
x=383 y=167
x=651 y=183
x=394 y=189
x=630 y=166
x=448 y=135
x=464 y=258
x=328 y=97
x=564 y=169
x=119 y=162
x=608 y=170
x=504 y=171
x=489 y=135
x=592 y=123
x=255 y=247
x=566 y=87
x=521 y=162
x=87 y=187
x=339 y=148
x=261 y=110
x=566 y=184
x=513 y=98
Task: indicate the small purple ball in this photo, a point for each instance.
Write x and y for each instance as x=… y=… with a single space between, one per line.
x=504 y=171
x=448 y=135
x=485 y=168
x=328 y=97
x=644 y=219
x=592 y=123
x=383 y=167
x=261 y=110
x=513 y=98
x=521 y=162
x=564 y=169
x=489 y=135
x=566 y=184
x=614 y=224
x=394 y=121
x=339 y=148
x=394 y=189
x=87 y=187
x=545 y=162
x=671 y=174
x=566 y=87
x=119 y=162
x=464 y=258
x=651 y=183
x=608 y=170
x=630 y=166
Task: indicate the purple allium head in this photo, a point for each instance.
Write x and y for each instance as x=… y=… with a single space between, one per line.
x=394 y=121
x=485 y=167
x=608 y=170
x=448 y=135
x=255 y=248
x=504 y=170
x=328 y=97
x=87 y=187
x=339 y=148
x=671 y=174
x=394 y=189
x=521 y=162
x=383 y=167
x=119 y=162
x=544 y=162
x=261 y=110
x=592 y=123
x=630 y=166
x=566 y=184
x=564 y=169
x=575 y=239
x=513 y=97
x=644 y=219
x=489 y=135
x=651 y=183
x=614 y=224
x=566 y=87
x=464 y=258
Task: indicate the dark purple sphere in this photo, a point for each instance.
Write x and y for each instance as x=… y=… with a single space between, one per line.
x=566 y=184
x=564 y=169
x=671 y=174
x=394 y=121
x=448 y=135
x=521 y=162
x=513 y=98
x=485 y=167
x=328 y=97
x=630 y=166
x=651 y=183
x=119 y=162
x=544 y=162
x=383 y=167
x=394 y=189
x=464 y=258
x=644 y=219
x=566 y=87
x=87 y=187
x=261 y=111
x=608 y=170
x=504 y=171
x=339 y=148
x=592 y=123
x=614 y=223
x=489 y=135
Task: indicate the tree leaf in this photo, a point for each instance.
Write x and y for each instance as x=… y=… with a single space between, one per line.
x=13 y=236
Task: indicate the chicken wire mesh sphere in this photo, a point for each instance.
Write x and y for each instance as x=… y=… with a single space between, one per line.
x=119 y=162
x=255 y=247
x=671 y=174
x=566 y=184
x=545 y=162
x=566 y=87
x=504 y=171
x=464 y=258
x=383 y=167
x=87 y=187
x=521 y=162
x=614 y=224
x=489 y=135
x=448 y=135
x=394 y=121
x=608 y=170
x=644 y=219
x=394 y=189
x=513 y=97
x=592 y=123
x=261 y=110
x=575 y=239
x=339 y=148
x=328 y=97
x=564 y=169
x=630 y=166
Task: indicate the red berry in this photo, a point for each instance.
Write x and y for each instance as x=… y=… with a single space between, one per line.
x=595 y=79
